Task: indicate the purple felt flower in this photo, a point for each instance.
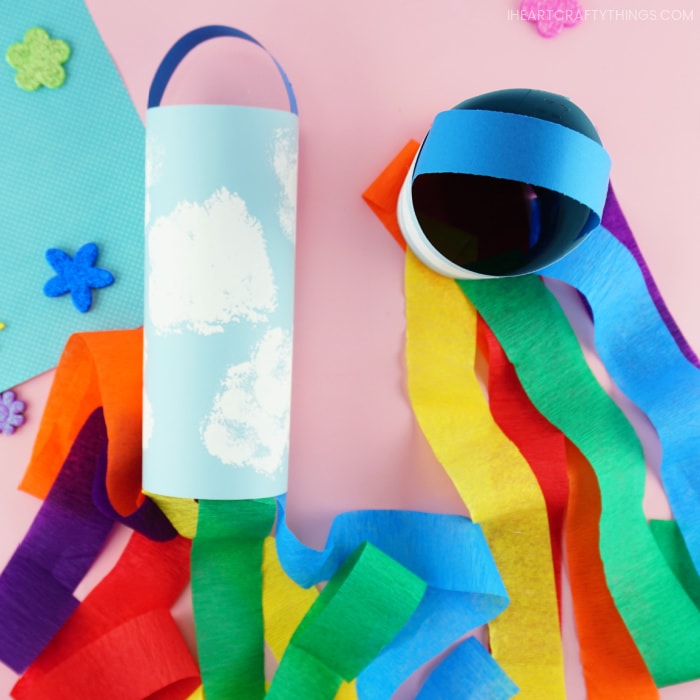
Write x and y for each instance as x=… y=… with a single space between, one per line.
x=551 y=16
x=10 y=412
x=77 y=275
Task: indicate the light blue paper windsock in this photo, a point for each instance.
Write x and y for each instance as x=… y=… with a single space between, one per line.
x=220 y=231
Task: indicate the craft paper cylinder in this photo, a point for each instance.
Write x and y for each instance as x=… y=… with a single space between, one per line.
x=220 y=233
x=504 y=184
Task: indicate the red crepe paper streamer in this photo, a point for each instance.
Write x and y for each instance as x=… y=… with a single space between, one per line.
x=68 y=532
x=36 y=586
x=122 y=642
x=542 y=445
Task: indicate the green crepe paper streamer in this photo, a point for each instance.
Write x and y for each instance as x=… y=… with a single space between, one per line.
x=670 y=540
x=227 y=554
x=539 y=342
x=361 y=609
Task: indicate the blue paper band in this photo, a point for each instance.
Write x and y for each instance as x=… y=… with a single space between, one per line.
x=644 y=360
x=517 y=147
x=448 y=552
x=192 y=39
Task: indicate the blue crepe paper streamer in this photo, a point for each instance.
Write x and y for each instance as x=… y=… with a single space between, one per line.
x=614 y=220
x=469 y=672
x=448 y=552
x=644 y=360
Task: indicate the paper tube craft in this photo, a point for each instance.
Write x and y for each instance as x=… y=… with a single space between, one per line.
x=220 y=239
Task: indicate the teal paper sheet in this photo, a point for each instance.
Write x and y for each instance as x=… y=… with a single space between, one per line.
x=72 y=173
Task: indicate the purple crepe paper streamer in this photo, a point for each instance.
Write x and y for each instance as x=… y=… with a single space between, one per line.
x=614 y=220
x=147 y=519
x=37 y=585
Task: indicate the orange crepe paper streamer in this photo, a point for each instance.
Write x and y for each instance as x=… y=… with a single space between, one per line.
x=542 y=445
x=381 y=196
x=490 y=474
x=121 y=643
x=613 y=668
x=95 y=369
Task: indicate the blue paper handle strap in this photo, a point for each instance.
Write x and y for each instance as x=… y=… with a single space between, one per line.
x=189 y=41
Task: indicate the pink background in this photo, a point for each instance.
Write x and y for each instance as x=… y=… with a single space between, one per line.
x=369 y=76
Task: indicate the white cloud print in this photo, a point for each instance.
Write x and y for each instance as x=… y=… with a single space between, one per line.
x=209 y=266
x=284 y=162
x=248 y=426
x=148 y=423
x=155 y=156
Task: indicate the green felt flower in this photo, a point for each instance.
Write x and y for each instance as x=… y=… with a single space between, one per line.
x=38 y=60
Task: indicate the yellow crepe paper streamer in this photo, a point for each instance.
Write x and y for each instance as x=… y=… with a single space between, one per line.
x=198 y=694
x=181 y=512
x=490 y=474
x=284 y=602
x=284 y=606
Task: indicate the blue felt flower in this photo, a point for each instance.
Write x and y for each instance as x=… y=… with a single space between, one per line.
x=10 y=412
x=76 y=275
